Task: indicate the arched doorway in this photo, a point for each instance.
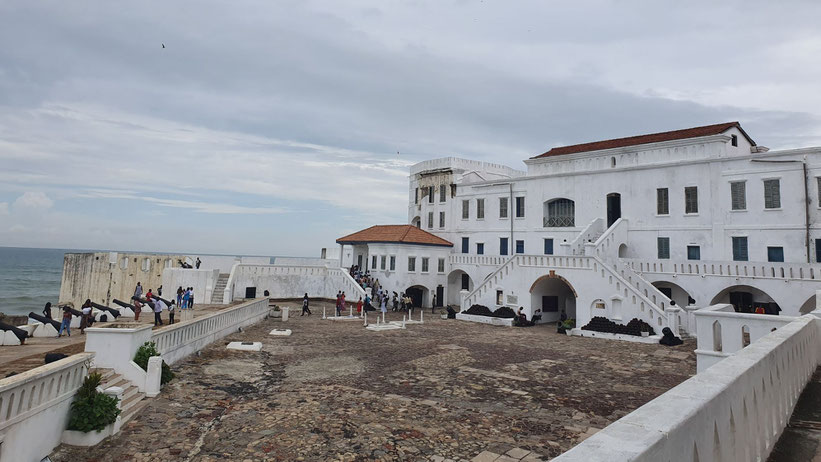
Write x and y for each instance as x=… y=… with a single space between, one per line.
x=745 y=299
x=552 y=295
x=418 y=294
x=458 y=281
x=416 y=222
x=623 y=251
x=675 y=292
x=808 y=306
x=613 y=208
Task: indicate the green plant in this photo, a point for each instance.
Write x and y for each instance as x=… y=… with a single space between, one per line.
x=147 y=350
x=92 y=410
x=569 y=323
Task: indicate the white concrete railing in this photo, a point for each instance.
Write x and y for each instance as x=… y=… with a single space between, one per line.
x=490 y=281
x=228 y=292
x=640 y=297
x=177 y=341
x=593 y=229
x=482 y=260
x=34 y=407
x=722 y=331
x=804 y=271
x=733 y=412
x=349 y=285
x=606 y=246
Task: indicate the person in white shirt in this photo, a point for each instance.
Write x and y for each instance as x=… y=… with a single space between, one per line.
x=158 y=307
x=86 y=316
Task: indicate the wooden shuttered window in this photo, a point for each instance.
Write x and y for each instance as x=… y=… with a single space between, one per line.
x=663 y=247
x=662 y=201
x=480 y=209
x=772 y=194
x=691 y=199
x=503 y=206
x=740 y=249
x=738 y=195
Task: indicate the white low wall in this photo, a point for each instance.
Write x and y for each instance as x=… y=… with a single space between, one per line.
x=203 y=282
x=508 y=322
x=114 y=348
x=733 y=412
x=292 y=282
x=34 y=408
x=721 y=331
x=177 y=341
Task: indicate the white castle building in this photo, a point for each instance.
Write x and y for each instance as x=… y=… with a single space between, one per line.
x=650 y=227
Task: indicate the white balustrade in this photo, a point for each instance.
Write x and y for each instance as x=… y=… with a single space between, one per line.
x=798 y=271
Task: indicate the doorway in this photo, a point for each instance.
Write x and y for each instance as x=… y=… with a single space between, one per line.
x=440 y=295
x=416 y=294
x=613 y=208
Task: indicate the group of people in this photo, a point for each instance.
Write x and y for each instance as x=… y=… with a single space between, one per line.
x=185 y=298
x=86 y=317
x=158 y=304
x=363 y=278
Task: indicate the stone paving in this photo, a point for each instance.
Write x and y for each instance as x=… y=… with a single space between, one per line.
x=446 y=390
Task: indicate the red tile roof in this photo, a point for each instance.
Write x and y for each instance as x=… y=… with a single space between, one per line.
x=695 y=132
x=398 y=234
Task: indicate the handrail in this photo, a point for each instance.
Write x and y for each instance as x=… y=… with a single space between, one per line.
x=490 y=277
x=228 y=292
x=580 y=240
x=644 y=298
x=732 y=268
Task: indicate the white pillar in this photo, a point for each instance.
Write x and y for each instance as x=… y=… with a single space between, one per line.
x=153 y=376
x=285 y=312
x=672 y=318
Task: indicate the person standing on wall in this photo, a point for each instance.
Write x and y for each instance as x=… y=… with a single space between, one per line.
x=138 y=291
x=185 y=296
x=198 y=263
x=179 y=296
x=190 y=298
x=305 y=308
x=66 y=324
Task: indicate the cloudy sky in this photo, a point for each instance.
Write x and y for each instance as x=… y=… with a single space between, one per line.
x=272 y=127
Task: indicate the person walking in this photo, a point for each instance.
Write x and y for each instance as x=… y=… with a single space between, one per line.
x=338 y=300
x=433 y=304
x=84 y=318
x=138 y=291
x=179 y=296
x=342 y=303
x=305 y=308
x=47 y=310
x=359 y=306
x=383 y=307
x=66 y=324
x=198 y=263
x=138 y=307
x=158 y=307
x=171 y=313
x=190 y=298
x=185 y=296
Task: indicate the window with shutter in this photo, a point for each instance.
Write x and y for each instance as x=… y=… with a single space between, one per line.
x=818 y=180
x=430 y=194
x=480 y=209
x=693 y=252
x=520 y=207
x=520 y=247
x=691 y=199
x=430 y=219
x=548 y=246
x=775 y=254
x=465 y=245
x=740 y=249
x=818 y=250
x=480 y=248
x=425 y=263
x=663 y=247
x=662 y=201
x=441 y=219
x=560 y=213
x=443 y=192
x=440 y=268
x=738 y=195
x=502 y=246
x=465 y=209
x=772 y=194
x=503 y=205
x=393 y=263
x=411 y=264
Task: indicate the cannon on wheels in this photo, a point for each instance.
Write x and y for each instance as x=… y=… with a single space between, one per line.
x=13 y=335
x=124 y=304
x=44 y=320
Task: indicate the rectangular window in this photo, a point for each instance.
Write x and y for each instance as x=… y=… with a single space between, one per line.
x=441 y=266
x=465 y=245
x=738 y=195
x=693 y=252
x=430 y=194
x=775 y=254
x=430 y=219
x=425 y=261
x=465 y=281
x=734 y=140
x=411 y=264
x=443 y=192
x=480 y=248
x=520 y=207
x=480 y=209
x=416 y=196
x=503 y=246
x=818 y=180
x=383 y=261
x=548 y=246
x=772 y=194
x=818 y=250
x=441 y=219
x=691 y=199
x=520 y=246
x=740 y=249
x=662 y=201
x=663 y=244
x=503 y=202
x=465 y=210
x=393 y=263
x=373 y=262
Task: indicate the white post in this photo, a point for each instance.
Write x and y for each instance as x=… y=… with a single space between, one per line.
x=323 y=312
x=285 y=311
x=403 y=321
x=421 y=316
x=366 y=319
x=383 y=317
x=153 y=376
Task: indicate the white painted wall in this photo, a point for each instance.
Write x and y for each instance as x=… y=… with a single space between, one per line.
x=202 y=280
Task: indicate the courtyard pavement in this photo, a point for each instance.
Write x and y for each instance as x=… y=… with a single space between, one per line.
x=443 y=390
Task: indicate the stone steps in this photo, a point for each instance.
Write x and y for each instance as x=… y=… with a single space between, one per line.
x=219 y=288
x=132 y=399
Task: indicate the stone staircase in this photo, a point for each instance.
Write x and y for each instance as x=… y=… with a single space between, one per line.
x=133 y=399
x=219 y=289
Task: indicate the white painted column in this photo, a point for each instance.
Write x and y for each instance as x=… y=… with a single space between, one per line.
x=672 y=313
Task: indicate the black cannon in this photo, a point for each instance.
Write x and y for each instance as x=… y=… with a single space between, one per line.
x=44 y=320
x=115 y=313
x=20 y=333
x=71 y=310
x=167 y=302
x=124 y=304
x=143 y=301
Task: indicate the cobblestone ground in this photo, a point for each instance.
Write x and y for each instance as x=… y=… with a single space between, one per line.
x=446 y=389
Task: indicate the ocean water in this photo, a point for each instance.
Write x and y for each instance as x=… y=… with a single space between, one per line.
x=29 y=278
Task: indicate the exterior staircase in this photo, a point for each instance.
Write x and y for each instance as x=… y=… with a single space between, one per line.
x=133 y=400
x=219 y=288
